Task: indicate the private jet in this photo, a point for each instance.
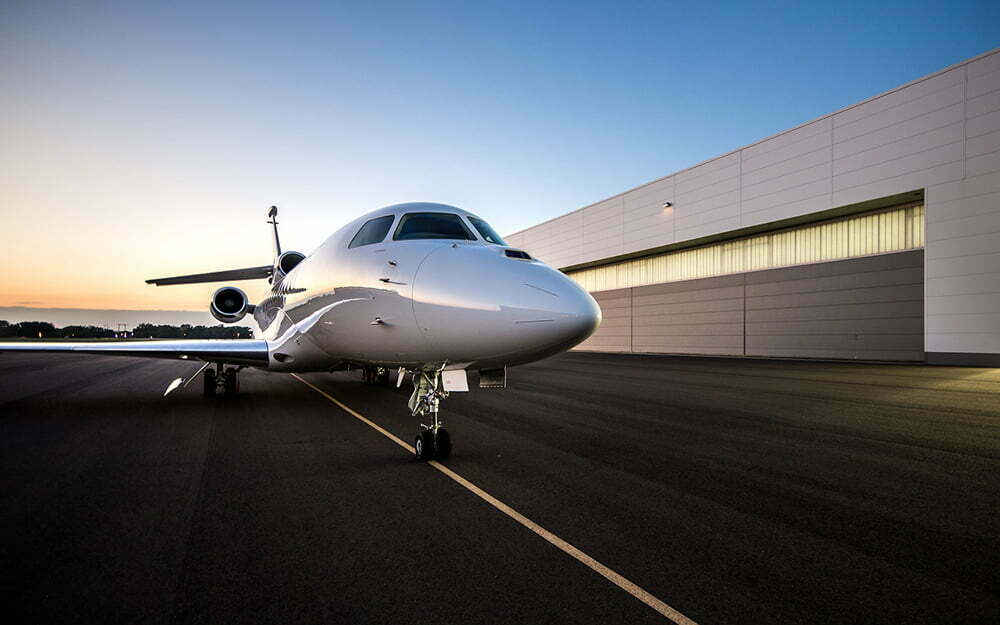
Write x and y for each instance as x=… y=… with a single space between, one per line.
x=427 y=289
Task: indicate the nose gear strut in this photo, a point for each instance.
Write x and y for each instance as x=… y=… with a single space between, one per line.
x=433 y=441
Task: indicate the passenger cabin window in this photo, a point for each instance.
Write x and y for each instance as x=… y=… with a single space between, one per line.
x=372 y=232
x=432 y=226
x=485 y=231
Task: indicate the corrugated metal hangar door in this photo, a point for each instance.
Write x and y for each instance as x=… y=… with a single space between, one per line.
x=615 y=331
x=689 y=317
x=863 y=308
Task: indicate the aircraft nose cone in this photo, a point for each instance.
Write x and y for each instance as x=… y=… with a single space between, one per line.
x=567 y=314
x=477 y=305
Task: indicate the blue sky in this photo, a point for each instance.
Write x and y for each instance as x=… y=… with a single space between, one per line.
x=134 y=118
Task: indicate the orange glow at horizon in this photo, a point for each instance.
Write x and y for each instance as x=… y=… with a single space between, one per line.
x=98 y=254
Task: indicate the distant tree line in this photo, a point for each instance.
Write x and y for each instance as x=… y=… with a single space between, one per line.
x=44 y=329
x=148 y=330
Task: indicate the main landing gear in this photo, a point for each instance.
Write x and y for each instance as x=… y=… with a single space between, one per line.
x=227 y=379
x=433 y=441
x=375 y=375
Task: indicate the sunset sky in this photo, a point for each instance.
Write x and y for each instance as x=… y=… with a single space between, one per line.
x=146 y=139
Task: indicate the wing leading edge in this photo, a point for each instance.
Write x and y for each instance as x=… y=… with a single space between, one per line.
x=250 y=273
x=230 y=351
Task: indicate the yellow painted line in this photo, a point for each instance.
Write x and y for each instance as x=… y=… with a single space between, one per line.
x=615 y=578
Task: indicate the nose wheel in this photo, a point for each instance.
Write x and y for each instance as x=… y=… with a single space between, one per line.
x=432 y=441
x=432 y=445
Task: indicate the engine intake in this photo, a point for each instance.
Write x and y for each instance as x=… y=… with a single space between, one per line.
x=285 y=263
x=229 y=304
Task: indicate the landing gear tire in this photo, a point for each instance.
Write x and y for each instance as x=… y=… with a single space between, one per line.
x=209 y=380
x=423 y=446
x=442 y=446
x=381 y=375
x=428 y=446
x=231 y=382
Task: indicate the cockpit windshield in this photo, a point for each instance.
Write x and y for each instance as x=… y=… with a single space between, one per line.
x=485 y=231
x=432 y=226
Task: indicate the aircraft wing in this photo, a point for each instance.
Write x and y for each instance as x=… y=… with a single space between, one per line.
x=230 y=351
x=250 y=273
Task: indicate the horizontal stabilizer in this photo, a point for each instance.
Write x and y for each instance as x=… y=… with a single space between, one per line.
x=250 y=273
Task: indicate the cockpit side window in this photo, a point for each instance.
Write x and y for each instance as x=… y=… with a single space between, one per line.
x=373 y=231
x=432 y=226
x=489 y=234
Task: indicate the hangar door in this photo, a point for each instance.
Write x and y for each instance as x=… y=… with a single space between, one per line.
x=862 y=308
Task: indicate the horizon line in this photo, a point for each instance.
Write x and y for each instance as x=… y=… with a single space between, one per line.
x=104 y=309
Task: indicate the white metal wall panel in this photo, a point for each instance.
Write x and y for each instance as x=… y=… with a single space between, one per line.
x=646 y=223
x=937 y=93
x=793 y=143
x=787 y=175
x=911 y=131
x=984 y=76
x=603 y=227
x=897 y=167
x=983 y=125
x=810 y=184
x=894 y=143
x=566 y=240
x=963 y=231
x=707 y=198
x=947 y=137
x=518 y=239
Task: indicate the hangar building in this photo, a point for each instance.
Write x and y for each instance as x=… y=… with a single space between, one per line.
x=870 y=233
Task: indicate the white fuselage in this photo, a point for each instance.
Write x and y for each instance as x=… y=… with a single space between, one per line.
x=420 y=303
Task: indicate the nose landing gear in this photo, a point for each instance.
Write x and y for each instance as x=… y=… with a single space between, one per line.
x=433 y=441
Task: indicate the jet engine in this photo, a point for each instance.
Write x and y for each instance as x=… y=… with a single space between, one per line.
x=229 y=304
x=285 y=263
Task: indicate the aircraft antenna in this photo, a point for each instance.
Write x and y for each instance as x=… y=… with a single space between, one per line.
x=272 y=214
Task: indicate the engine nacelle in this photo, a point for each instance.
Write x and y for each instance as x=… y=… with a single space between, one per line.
x=229 y=304
x=285 y=263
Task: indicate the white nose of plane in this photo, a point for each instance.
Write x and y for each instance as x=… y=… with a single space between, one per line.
x=479 y=305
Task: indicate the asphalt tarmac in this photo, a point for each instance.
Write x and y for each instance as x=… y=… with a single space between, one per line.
x=734 y=491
